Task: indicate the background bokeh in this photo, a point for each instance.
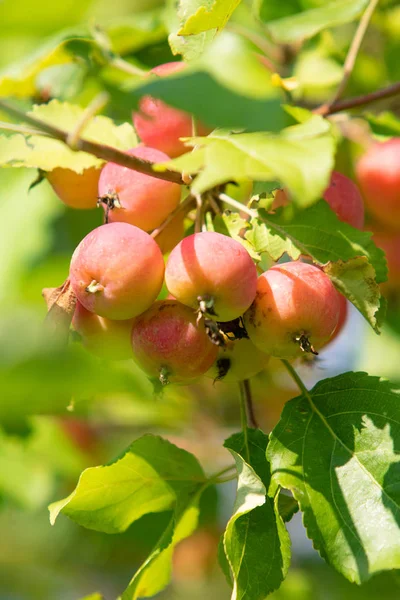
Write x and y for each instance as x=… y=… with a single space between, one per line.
x=42 y=456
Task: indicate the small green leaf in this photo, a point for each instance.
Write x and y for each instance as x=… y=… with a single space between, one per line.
x=336 y=450
x=348 y=256
x=214 y=16
x=308 y=23
x=149 y=477
x=256 y=542
x=385 y=125
x=94 y=596
x=300 y=157
x=190 y=47
x=46 y=154
x=287 y=506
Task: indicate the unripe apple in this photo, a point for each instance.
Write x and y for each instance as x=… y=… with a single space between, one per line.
x=169 y=344
x=378 y=173
x=343 y=197
x=103 y=337
x=238 y=360
x=214 y=273
x=117 y=271
x=296 y=310
x=136 y=198
x=169 y=237
x=77 y=190
x=159 y=125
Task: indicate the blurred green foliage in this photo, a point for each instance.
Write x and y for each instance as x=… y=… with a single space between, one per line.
x=61 y=410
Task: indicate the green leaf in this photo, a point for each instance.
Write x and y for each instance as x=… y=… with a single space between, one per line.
x=93 y=597
x=337 y=451
x=149 y=477
x=232 y=224
x=155 y=573
x=134 y=32
x=385 y=125
x=45 y=153
x=308 y=23
x=300 y=157
x=347 y=255
x=190 y=47
x=287 y=507
x=20 y=79
x=228 y=87
x=256 y=542
x=214 y=15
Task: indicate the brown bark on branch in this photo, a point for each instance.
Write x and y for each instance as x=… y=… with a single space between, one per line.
x=102 y=151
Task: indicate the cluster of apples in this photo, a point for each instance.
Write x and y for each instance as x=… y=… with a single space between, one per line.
x=117 y=272
x=221 y=319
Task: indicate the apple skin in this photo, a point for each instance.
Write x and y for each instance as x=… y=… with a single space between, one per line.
x=390 y=243
x=117 y=271
x=343 y=314
x=344 y=198
x=173 y=233
x=167 y=341
x=145 y=201
x=210 y=264
x=378 y=174
x=107 y=339
x=292 y=299
x=159 y=125
x=342 y=195
x=76 y=190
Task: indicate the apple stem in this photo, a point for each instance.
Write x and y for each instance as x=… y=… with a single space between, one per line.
x=94 y=287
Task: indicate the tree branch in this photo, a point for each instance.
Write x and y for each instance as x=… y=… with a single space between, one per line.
x=354 y=48
x=102 y=151
x=325 y=110
x=186 y=205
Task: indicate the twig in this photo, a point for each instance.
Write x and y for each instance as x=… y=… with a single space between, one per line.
x=263 y=44
x=238 y=205
x=102 y=151
x=199 y=213
x=94 y=107
x=243 y=419
x=186 y=204
x=325 y=110
x=354 y=48
x=127 y=67
x=214 y=205
x=251 y=417
x=20 y=129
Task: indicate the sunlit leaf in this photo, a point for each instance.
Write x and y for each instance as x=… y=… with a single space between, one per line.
x=149 y=477
x=300 y=157
x=337 y=451
x=45 y=153
x=206 y=17
x=256 y=542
